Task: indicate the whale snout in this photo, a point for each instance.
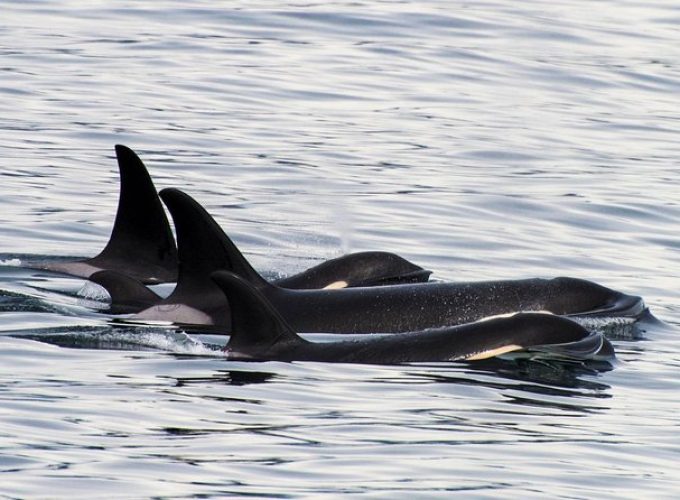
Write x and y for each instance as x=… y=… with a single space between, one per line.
x=621 y=305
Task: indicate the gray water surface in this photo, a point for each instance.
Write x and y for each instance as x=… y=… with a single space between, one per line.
x=482 y=140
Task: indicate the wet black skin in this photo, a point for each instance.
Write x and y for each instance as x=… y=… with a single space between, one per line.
x=260 y=333
x=204 y=248
x=358 y=269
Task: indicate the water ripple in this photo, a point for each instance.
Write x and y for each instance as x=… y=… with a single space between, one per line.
x=483 y=141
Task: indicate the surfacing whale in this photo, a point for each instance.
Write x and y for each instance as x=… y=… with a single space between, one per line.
x=360 y=269
x=204 y=248
x=357 y=269
x=142 y=247
x=141 y=244
x=259 y=333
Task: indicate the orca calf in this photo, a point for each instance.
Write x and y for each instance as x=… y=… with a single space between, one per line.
x=260 y=333
x=204 y=248
x=357 y=269
x=142 y=247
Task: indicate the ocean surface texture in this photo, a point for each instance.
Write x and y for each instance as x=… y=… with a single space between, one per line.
x=482 y=140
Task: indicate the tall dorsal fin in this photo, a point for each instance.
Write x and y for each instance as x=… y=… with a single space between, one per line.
x=254 y=321
x=202 y=246
x=141 y=243
x=127 y=294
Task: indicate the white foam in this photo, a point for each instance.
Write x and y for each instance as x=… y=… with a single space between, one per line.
x=602 y=321
x=156 y=339
x=10 y=262
x=611 y=327
x=93 y=291
x=176 y=342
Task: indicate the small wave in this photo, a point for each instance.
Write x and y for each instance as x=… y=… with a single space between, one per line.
x=93 y=291
x=176 y=342
x=93 y=296
x=164 y=340
x=611 y=327
x=10 y=262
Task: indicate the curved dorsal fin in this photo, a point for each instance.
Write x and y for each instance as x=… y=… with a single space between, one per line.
x=127 y=294
x=141 y=243
x=202 y=246
x=255 y=323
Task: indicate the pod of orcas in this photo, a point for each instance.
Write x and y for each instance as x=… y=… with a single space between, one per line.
x=142 y=246
x=204 y=248
x=260 y=333
x=367 y=292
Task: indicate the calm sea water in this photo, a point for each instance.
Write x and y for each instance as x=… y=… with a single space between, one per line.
x=482 y=140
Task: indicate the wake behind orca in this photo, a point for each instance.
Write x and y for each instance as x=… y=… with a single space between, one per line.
x=204 y=248
x=259 y=332
x=142 y=248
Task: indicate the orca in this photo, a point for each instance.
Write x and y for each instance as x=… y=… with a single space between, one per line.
x=141 y=245
x=142 y=248
x=357 y=269
x=259 y=333
x=204 y=248
x=129 y=295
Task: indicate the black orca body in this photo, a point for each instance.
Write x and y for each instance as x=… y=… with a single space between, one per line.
x=358 y=269
x=141 y=244
x=128 y=295
x=142 y=247
x=204 y=248
x=361 y=269
x=259 y=332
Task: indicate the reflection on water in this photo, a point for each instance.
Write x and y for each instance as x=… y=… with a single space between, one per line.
x=230 y=377
x=160 y=400
x=489 y=140
x=549 y=377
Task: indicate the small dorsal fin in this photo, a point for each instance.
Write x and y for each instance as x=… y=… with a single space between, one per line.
x=254 y=320
x=141 y=243
x=128 y=295
x=202 y=245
